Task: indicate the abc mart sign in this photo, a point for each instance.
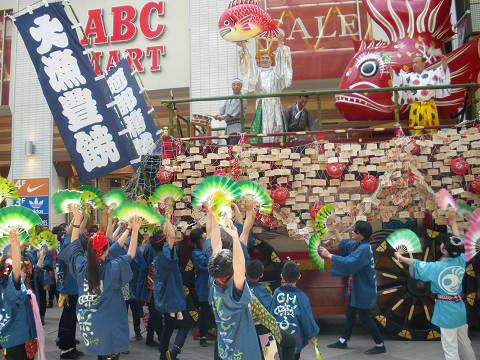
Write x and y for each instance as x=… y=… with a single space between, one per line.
x=155 y=34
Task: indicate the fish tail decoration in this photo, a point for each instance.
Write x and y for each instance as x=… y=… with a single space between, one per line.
x=405 y=240
x=313 y=245
x=409 y=18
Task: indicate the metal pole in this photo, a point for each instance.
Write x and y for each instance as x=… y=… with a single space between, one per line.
x=2 y=74
x=135 y=153
x=170 y=118
x=473 y=110
x=319 y=113
x=242 y=116
x=395 y=102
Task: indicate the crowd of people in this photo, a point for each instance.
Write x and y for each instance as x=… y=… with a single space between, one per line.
x=99 y=276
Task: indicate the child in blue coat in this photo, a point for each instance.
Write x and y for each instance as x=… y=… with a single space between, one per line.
x=168 y=291
x=255 y=273
x=101 y=312
x=200 y=264
x=445 y=277
x=17 y=324
x=291 y=308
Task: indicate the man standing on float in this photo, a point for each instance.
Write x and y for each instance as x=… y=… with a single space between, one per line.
x=269 y=74
x=423 y=111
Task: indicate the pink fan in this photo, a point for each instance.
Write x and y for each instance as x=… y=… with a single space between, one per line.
x=472 y=238
x=445 y=200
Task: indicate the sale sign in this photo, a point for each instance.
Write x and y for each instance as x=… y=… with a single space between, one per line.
x=320 y=34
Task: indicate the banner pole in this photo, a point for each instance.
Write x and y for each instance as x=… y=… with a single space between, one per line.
x=142 y=168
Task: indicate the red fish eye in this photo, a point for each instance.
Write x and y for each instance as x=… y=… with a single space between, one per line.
x=226 y=23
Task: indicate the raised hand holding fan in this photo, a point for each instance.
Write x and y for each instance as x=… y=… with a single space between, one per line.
x=464 y=210
x=166 y=192
x=472 y=237
x=404 y=241
x=7 y=190
x=445 y=200
x=44 y=237
x=212 y=185
x=250 y=190
x=91 y=197
x=128 y=210
x=313 y=245
x=114 y=198
x=63 y=200
x=17 y=217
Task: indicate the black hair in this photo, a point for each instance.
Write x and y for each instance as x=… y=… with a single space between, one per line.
x=226 y=239
x=220 y=264
x=255 y=269
x=304 y=95
x=60 y=231
x=290 y=272
x=93 y=229
x=4 y=270
x=363 y=228
x=424 y=59
x=454 y=245
x=157 y=240
x=196 y=236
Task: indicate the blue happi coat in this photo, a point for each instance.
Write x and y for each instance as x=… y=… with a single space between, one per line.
x=17 y=324
x=102 y=318
x=261 y=292
x=236 y=335
x=200 y=263
x=66 y=283
x=168 y=285
x=445 y=278
x=138 y=285
x=357 y=259
x=291 y=308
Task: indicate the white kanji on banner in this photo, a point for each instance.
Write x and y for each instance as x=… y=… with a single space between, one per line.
x=97 y=147
x=79 y=108
x=144 y=144
x=49 y=33
x=126 y=101
x=63 y=71
x=135 y=123
x=117 y=82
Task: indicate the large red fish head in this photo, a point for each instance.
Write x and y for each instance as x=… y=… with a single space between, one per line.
x=367 y=70
x=232 y=28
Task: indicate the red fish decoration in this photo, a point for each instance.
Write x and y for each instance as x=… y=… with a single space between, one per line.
x=413 y=27
x=245 y=19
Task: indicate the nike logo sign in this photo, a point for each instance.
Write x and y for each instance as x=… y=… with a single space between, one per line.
x=29 y=189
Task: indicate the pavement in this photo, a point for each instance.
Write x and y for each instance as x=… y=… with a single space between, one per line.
x=329 y=331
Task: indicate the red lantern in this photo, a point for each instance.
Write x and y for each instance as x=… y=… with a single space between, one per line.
x=416 y=147
x=475 y=185
x=460 y=166
x=369 y=183
x=335 y=170
x=164 y=176
x=279 y=195
x=314 y=210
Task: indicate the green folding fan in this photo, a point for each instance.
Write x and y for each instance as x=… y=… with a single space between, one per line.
x=321 y=220
x=313 y=245
x=464 y=209
x=63 y=200
x=222 y=208
x=17 y=217
x=7 y=190
x=164 y=192
x=44 y=237
x=5 y=240
x=404 y=240
x=148 y=229
x=129 y=210
x=215 y=185
x=250 y=190
x=114 y=198
x=91 y=197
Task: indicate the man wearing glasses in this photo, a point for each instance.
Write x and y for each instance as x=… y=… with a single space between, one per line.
x=355 y=260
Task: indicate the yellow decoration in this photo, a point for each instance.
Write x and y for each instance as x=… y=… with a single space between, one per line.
x=382 y=247
x=405 y=334
x=189 y=266
x=382 y=320
x=433 y=334
x=274 y=257
x=186 y=290
x=432 y=234
x=471 y=298
x=194 y=315
x=469 y=270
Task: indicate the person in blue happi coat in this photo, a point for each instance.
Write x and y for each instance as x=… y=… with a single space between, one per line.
x=68 y=289
x=291 y=309
x=101 y=312
x=42 y=261
x=355 y=259
x=17 y=323
x=200 y=264
x=168 y=290
x=230 y=294
x=255 y=273
x=445 y=277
